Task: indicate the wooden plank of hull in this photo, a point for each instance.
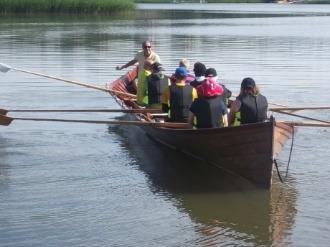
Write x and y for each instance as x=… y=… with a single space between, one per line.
x=282 y=133
x=246 y=151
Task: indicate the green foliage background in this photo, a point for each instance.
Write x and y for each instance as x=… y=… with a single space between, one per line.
x=64 y=6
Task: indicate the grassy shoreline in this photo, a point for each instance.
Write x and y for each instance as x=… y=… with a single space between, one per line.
x=64 y=6
x=197 y=1
x=237 y=1
x=100 y=7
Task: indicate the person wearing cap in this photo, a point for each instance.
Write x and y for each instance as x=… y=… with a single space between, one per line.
x=178 y=97
x=147 y=54
x=199 y=70
x=186 y=64
x=212 y=73
x=250 y=104
x=157 y=82
x=208 y=110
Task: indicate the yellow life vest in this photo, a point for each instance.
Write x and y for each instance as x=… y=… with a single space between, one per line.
x=237 y=121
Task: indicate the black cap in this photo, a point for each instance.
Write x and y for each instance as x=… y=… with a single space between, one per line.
x=199 y=69
x=211 y=72
x=248 y=83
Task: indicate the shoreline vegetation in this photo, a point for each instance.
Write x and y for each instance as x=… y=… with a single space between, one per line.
x=237 y=1
x=107 y=7
x=28 y=7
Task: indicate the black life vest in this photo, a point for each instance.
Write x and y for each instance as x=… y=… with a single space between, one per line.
x=253 y=108
x=157 y=83
x=180 y=101
x=208 y=112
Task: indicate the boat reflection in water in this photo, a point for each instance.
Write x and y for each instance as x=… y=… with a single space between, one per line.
x=224 y=208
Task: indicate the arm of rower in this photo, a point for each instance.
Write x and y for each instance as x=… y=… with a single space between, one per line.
x=130 y=63
x=225 y=120
x=235 y=106
x=191 y=117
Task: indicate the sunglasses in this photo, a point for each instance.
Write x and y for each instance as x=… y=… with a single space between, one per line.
x=147 y=46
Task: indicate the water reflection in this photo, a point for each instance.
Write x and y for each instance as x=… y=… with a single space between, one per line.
x=222 y=206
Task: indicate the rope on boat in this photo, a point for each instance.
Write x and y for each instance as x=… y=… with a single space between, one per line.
x=287 y=166
x=289 y=160
x=278 y=172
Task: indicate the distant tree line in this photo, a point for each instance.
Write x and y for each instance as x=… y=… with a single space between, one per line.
x=65 y=6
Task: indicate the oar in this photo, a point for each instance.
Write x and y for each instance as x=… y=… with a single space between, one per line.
x=305 y=124
x=234 y=97
x=144 y=110
x=5 y=120
x=5 y=68
x=301 y=116
x=299 y=108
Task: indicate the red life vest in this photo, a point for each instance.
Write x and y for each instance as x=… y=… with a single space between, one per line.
x=209 y=88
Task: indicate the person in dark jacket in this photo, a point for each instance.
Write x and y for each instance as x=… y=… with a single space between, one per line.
x=157 y=82
x=208 y=109
x=251 y=105
x=211 y=72
x=178 y=97
x=199 y=71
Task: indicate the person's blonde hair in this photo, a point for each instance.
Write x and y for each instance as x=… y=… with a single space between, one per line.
x=184 y=62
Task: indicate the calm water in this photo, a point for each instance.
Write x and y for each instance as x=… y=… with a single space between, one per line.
x=97 y=185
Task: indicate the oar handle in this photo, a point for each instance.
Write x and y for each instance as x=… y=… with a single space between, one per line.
x=3 y=111
x=306 y=124
x=299 y=108
x=5 y=120
x=76 y=83
x=301 y=116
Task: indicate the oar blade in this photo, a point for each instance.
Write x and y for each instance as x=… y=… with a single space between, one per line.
x=4 y=67
x=4 y=120
x=3 y=112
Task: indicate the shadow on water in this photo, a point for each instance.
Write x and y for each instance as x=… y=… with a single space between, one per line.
x=222 y=206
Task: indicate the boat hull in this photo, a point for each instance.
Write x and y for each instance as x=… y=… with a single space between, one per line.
x=247 y=151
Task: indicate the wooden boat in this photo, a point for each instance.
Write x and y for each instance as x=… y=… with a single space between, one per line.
x=247 y=151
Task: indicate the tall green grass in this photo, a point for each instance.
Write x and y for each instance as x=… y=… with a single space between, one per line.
x=65 y=6
x=209 y=1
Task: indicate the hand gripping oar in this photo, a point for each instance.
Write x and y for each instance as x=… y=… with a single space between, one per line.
x=5 y=120
x=5 y=68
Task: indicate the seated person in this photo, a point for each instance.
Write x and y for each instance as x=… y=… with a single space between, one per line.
x=157 y=83
x=184 y=63
x=209 y=108
x=211 y=72
x=251 y=105
x=199 y=70
x=178 y=97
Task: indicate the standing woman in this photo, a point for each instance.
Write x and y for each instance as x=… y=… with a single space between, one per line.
x=251 y=105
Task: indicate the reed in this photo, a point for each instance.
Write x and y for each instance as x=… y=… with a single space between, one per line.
x=65 y=6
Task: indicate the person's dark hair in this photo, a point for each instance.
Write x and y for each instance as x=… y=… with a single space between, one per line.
x=248 y=85
x=199 y=69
